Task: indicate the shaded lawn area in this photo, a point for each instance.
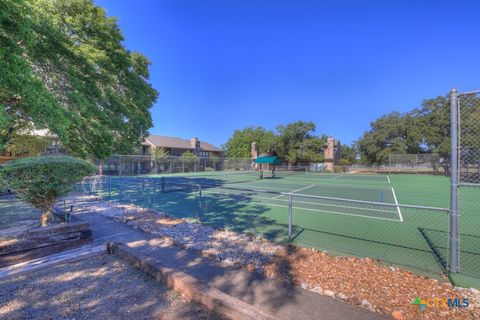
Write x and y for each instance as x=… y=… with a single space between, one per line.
x=101 y=287
x=15 y=216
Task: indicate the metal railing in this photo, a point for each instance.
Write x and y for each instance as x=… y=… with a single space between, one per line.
x=408 y=235
x=465 y=183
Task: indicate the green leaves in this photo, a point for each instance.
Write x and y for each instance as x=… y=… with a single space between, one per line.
x=41 y=180
x=188 y=157
x=294 y=142
x=72 y=75
x=298 y=143
x=422 y=130
x=160 y=155
x=239 y=145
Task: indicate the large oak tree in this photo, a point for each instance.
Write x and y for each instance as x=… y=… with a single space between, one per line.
x=63 y=67
x=294 y=142
x=423 y=130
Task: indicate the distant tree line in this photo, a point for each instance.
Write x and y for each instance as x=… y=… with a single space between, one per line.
x=293 y=143
x=423 y=130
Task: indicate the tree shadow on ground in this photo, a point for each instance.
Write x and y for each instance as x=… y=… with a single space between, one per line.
x=102 y=287
x=239 y=210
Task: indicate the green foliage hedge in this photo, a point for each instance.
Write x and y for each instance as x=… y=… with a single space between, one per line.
x=41 y=180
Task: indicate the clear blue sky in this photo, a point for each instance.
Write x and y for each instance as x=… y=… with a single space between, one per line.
x=228 y=64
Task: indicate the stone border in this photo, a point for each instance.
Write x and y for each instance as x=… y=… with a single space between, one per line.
x=192 y=288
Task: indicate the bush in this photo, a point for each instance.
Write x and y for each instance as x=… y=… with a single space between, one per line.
x=40 y=181
x=338 y=169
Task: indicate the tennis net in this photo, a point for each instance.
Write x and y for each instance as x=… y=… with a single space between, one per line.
x=285 y=172
x=181 y=183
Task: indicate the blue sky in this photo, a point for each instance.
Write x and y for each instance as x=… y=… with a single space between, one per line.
x=228 y=64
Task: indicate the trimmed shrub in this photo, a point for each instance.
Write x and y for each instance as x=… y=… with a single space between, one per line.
x=40 y=181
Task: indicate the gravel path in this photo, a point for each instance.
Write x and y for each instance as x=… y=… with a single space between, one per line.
x=230 y=247
x=101 y=287
x=364 y=282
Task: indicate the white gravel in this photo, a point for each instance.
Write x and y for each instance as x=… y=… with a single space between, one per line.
x=98 y=288
x=230 y=247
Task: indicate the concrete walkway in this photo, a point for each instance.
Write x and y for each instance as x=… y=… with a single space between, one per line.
x=270 y=295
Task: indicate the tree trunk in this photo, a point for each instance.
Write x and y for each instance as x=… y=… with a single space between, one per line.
x=44 y=217
x=100 y=167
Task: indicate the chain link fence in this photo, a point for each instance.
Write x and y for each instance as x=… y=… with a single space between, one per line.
x=130 y=165
x=468 y=178
x=434 y=240
x=416 y=163
x=412 y=236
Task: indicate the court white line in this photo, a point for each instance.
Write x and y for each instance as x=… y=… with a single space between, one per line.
x=337 y=177
x=326 y=179
x=388 y=178
x=294 y=191
x=327 y=183
x=315 y=185
x=310 y=203
x=396 y=202
x=334 y=212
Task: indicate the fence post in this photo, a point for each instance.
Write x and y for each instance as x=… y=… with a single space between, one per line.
x=120 y=189
x=416 y=163
x=154 y=193
x=290 y=214
x=109 y=188
x=454 y=182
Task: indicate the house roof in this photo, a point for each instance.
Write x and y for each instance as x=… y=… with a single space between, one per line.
x=178 y=143
x=268 y=159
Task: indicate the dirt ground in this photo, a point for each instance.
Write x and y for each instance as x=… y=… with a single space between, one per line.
x=364 y=282
x=100 y=287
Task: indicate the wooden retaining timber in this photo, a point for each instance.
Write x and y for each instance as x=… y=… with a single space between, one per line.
x=4 y=159
x=192 y=288
x=42 y=241
x=49 y=261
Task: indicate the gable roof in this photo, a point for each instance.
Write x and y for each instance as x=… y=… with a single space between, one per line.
x=178 y=143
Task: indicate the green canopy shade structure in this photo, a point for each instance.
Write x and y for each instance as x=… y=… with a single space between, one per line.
x=268 y=159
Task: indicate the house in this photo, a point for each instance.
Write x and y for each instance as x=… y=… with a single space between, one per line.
x=144 y=163
x=177 y=146
x=31 y=142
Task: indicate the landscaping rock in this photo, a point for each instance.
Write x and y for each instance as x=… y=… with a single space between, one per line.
x=329 y=293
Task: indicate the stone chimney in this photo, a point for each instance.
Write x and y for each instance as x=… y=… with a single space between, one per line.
x=329 y=154
x=254 y=150
x=195 y=144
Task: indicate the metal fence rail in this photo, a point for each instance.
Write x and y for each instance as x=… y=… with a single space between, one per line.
x=416 y=163
x=465 y=228
x=128 y=165
x=413 y=236
x=426 y=238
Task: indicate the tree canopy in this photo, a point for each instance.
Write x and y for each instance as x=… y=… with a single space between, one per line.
x=294 y=142
x=63 y=67
x=239 y=144
x=423 y=130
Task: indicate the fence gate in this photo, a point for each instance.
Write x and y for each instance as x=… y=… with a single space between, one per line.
x=465 y=182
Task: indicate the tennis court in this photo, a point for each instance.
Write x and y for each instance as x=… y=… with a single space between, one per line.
x=398 y=219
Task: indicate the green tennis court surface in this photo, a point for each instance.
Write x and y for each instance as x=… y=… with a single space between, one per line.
x=353 y=214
